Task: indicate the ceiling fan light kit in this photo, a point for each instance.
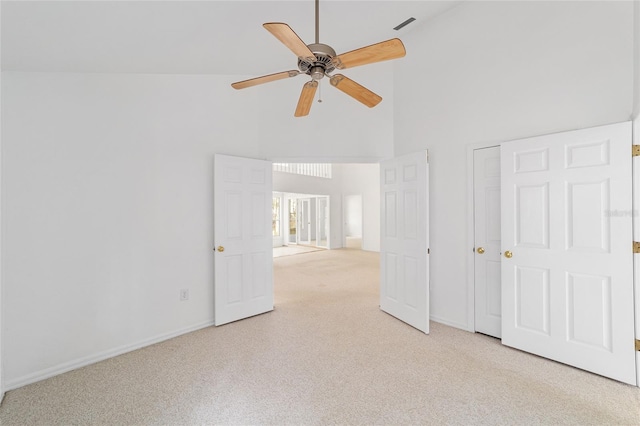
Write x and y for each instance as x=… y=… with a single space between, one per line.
x=318 y=60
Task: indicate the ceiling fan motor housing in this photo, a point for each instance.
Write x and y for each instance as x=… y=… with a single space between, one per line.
x=323 y=64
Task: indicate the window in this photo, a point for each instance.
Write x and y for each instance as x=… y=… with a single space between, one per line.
x=275 y=216
x=316 y=170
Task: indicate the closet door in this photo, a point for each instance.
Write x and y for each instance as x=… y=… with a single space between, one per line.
x=487 y=223
x=567 y=265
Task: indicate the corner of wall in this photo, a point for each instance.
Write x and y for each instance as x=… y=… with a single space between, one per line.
x=1 y=310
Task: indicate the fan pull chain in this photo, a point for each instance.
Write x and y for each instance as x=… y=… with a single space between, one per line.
x=319 y=92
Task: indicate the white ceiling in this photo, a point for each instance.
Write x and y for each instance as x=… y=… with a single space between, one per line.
x=190 y=37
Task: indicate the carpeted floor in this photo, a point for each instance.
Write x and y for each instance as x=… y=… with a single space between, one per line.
x=326 y=355
x=294 y=249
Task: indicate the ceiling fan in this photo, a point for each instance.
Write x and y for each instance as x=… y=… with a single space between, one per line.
x=318 y=60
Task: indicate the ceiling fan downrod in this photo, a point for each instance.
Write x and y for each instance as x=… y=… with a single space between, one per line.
x=317 y=21
x=322 y=64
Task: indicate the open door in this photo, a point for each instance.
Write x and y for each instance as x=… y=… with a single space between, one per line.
x=242 y=234
x=567 y=265
x=304 y=221
x=322 y=233
x=487 y=223
x=404 y=242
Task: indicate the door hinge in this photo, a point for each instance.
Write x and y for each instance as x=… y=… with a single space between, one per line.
x=635 y=150
x=636 y=247
x=637 y=345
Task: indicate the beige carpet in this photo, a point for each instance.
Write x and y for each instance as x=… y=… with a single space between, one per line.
x=326 y=355
x=294 y=249
x=353 y=243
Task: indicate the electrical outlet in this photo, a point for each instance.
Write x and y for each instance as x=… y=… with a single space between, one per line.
x=184 y=294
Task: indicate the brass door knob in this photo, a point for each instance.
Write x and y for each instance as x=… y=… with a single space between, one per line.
x=480 y=250
x=220 y=249
x=508 y=254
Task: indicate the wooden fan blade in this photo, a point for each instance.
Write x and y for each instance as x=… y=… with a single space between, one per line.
x=264 y=79
x=383 y=51
x=306 y=98
x=289 y=38
x=356 y=91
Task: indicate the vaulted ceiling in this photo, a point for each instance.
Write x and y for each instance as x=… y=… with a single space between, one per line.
x=190 y=37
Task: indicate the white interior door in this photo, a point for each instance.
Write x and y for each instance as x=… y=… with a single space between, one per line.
x=313 y=219
x=292 y=221
x=323 y=222
x=304 y=222
x=567 y=290
x=242 y=232
x=404 y=258
x=486 y=200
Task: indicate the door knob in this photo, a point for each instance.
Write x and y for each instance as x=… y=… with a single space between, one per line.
x=220 y=249
x=508 y=254
x=480 y=250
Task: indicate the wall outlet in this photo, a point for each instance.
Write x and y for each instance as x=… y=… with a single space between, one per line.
x=184 y=294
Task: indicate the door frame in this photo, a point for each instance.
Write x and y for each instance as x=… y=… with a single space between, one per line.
x=470 y=258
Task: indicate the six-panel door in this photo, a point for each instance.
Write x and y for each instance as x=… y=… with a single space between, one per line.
x=404 y=260
x=566 y=222
x=242 y=232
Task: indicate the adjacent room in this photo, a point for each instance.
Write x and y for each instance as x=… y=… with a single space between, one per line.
x=315 y=204
x=467 y=198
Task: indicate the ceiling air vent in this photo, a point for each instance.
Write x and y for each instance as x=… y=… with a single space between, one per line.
x=404 y=24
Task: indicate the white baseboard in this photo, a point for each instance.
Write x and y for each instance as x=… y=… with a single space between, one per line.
x=101 y=356
x=454 y=324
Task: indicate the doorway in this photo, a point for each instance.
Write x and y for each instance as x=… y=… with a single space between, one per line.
x=352 y=214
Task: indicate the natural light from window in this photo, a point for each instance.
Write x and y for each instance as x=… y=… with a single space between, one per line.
x=307 y=169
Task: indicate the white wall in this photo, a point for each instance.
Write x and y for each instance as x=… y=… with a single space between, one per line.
x=496 y=71
x=107 y=208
